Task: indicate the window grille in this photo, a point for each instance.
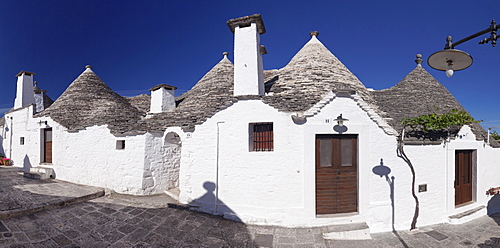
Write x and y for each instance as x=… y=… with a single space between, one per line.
x=263 y=137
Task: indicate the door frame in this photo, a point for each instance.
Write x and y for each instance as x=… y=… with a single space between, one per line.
x=355 y=160
x=472 y=173
x=43 y=150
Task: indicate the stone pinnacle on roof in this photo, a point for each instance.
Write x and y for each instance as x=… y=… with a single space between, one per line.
x=419 y=60
x=225 y=54
x=314 y=33
x=88 y=68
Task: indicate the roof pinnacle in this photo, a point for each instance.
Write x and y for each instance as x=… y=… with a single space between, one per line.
x=88 y=66
x=225 y=54
x=314 y=33
x=419 y=60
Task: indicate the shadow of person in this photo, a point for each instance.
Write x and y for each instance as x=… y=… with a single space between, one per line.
x=210 y=203
x=26 y=163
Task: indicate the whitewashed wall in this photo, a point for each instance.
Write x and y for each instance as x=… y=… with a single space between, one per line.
x=279 y=187
x=90 y=157
x=86 y=157
x=19 y=124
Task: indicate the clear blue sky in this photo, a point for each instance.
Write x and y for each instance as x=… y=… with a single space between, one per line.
x=134 y=45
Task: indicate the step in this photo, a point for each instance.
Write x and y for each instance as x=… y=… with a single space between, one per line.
x=174 y=193
x=468 y=215
x=41 y=169
x=36 y=175
x=354 y=231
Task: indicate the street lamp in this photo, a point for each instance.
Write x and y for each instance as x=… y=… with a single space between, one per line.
x=451 y=59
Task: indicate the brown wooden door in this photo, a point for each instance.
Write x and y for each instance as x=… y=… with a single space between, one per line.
x=47 y=145
x=463 y=176
x=336 y=174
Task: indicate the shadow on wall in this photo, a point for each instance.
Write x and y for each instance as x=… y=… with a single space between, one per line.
x=210 y=203
x=26 y=163
x=384 y=171
x=1 y=142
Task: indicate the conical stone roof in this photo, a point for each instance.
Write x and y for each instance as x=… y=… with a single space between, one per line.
x=311 y=74
x=211 y=94
x=88 y=101
x=417 y=94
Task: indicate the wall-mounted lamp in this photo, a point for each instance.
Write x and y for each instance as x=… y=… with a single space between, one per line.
x=340 y=120
x=42 y=122
x=451 y=59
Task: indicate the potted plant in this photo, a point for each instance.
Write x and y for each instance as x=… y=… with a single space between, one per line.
x=493 y=191
x=6 y=161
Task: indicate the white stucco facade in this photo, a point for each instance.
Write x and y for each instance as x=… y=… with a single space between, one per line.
x=278 y=187
x=91 y=156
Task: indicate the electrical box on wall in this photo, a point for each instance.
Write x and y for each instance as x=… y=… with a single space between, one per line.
x=422 y=188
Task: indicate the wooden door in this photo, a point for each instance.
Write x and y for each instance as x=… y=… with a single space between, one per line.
x=463 y=176
x=336 y=174
x=47 y=145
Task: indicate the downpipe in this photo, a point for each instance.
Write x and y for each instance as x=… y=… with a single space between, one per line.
x=216 y=201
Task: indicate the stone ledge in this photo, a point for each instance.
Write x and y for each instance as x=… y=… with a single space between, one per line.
x=466 y=213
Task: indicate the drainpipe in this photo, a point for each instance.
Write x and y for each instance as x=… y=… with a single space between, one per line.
x=216 y=201
x=446 y=157
x=10 y=141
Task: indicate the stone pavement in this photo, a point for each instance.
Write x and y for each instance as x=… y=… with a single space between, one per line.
x=145 y=221
x=21 y=196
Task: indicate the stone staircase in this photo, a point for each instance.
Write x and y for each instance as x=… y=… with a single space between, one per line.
x=40 y=173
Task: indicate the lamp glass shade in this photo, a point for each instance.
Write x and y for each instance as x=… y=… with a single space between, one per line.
x=459 y=60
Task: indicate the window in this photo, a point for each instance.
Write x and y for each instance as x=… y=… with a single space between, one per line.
x=21 y=141
x=120 y=144
x=262 y=137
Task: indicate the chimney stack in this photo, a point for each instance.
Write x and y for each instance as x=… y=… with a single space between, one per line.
x=248 y=68
x=162 y=98
x=24 y=93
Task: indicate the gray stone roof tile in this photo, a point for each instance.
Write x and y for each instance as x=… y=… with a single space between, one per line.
x=311 y=74
x=419 y=93
x=211 y=94
x=88 y=101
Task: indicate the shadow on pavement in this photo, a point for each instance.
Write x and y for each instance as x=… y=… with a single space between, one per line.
x=109 y=222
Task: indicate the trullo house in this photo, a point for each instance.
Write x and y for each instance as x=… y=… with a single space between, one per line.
x=304 y=145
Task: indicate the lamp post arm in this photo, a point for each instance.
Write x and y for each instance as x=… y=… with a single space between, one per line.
x=493 y=29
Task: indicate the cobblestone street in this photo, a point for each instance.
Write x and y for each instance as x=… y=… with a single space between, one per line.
x=146 y=221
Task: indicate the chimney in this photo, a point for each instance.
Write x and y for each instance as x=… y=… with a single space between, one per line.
x=24 y=94
x=40 y=98
x=248 y=69
x=162 y=98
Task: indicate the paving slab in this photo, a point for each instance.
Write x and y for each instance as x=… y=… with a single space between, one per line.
x=22 y=196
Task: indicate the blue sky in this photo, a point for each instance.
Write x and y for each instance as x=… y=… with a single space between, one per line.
x=134 y=45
